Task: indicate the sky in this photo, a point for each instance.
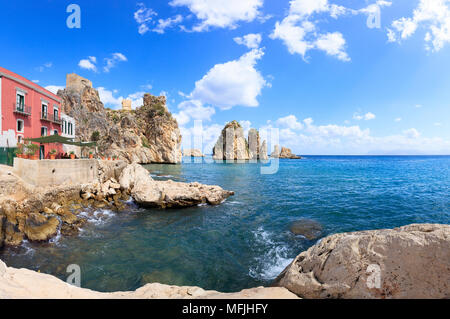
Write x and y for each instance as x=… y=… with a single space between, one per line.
x=366 y=77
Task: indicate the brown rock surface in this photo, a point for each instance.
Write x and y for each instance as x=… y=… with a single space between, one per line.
x=413 y=262
x=148 y=134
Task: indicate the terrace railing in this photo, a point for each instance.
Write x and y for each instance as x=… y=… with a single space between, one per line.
x=22 y=109
x=50 y=118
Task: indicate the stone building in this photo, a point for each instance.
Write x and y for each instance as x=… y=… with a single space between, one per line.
x=126 y=105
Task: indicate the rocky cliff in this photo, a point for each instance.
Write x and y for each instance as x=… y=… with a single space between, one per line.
x=148 y=134
x=232 y=144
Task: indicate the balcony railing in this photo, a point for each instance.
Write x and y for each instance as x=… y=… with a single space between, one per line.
x=22 y=109
x=50 y=118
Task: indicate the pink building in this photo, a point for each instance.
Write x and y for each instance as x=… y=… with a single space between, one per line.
x=27 y=110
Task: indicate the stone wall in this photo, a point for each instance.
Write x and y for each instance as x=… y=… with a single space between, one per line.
x=76 y=82
x=56 y=172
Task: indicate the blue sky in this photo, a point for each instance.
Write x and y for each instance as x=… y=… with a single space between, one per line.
x=314 y=69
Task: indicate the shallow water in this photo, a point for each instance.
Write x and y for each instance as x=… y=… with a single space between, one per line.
x=245 y=241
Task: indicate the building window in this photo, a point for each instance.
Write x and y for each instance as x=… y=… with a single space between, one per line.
x=55 y=113
x=19 y=139
x=43 y=131
x=20 y=102
x=55 y=132
x=44 y=111
x=20 y=126
x=70 y=129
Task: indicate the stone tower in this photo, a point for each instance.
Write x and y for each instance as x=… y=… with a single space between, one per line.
x=77 y=83
x=126 y=105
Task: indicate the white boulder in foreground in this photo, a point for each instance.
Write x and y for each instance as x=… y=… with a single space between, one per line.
x=407 y=262
x=28 y=284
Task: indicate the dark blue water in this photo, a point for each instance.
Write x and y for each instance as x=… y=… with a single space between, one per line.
x=246 y=241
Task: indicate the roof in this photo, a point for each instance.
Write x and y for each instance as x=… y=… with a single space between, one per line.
x=20 y=79
x=59 y=139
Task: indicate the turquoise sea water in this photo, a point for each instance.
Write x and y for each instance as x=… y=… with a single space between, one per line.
x=245 y=241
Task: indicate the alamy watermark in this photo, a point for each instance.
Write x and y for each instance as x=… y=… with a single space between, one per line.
x=75 y=275
x=374 y=278
x=232 y=146
x=74 y=19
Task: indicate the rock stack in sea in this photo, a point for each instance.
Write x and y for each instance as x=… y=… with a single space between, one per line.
x=148 y=134
x=232 y=144
x=193 y=153
x=284 y=153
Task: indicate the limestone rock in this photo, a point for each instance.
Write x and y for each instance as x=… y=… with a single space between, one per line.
x=148 y=134
x=407 y=262
x=39 y=228
x=27 y=284
x=284 y=153
x=193 y=153
x=232 y=144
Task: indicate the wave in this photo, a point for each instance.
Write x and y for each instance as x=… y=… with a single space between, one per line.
x=274 y=258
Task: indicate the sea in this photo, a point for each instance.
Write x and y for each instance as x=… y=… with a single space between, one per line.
x=245 y=241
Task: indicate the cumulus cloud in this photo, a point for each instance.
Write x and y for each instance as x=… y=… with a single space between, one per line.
x=193 y=109
x=233 y=83
x=88 y=64
x=251 y=41
x=54 y=88
x=300 y=33
x=352 y=140
x=433 y=16
x=221 y=13
x=290 y=122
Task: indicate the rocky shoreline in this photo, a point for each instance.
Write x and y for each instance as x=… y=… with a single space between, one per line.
x=407 y=262
x=39 y=213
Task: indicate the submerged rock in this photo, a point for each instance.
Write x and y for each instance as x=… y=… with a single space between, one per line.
x=308 y=228
x=407 y=262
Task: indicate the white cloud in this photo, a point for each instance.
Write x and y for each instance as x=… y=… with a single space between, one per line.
x=251 y=41
x=411 y=133
x=300 y=33
x=113 y=60
x=193 y=109
x=433 y=16
x=347 y=140
x=163 y=24
x=437 y=124
x=333 y=44
x=108 y=99
x=221 y=13
x=232 y=83
x=418 y=106
x=290 y=122
x=88 y=64
x=54 y=88
x=143 y=17
x=398 y=119
x=368 y=116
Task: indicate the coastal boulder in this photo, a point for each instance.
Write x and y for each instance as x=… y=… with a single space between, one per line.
x=143 y=188
x=307 y=228
x=284 y=153
x=40 y=228
x=407 y=262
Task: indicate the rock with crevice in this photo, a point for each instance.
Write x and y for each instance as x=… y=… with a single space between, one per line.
x=407 y=262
